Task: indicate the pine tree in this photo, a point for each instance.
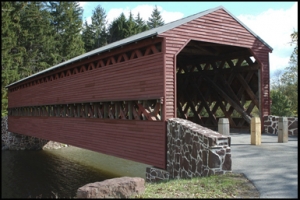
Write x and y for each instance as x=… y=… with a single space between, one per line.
x=131 y=26
x=141 y=25
x=98 y=27
x=36 y=38
x=88 y=37
x=66 y=21
x=118 y=29
x=11 y=51
x=155 y=20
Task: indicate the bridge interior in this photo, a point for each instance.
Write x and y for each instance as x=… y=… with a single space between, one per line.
x=216 y=81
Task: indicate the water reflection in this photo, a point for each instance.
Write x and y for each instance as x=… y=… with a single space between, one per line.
x=39 y=173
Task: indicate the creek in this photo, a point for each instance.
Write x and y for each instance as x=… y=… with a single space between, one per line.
x=59 y=173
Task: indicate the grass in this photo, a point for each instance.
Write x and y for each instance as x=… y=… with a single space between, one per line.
x=229 y=185
x=216 y=186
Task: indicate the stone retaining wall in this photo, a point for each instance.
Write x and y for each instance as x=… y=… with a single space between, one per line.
x=14 y=141
x=192 y=151
x=271 y=125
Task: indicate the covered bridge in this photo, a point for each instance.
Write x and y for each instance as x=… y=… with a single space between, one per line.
x=117 y=99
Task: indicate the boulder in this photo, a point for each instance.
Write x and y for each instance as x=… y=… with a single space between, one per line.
x=123 y=187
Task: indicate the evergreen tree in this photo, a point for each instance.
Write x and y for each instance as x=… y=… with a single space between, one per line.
x=141 y=25
x=118 y=29
x=88 y=37
x=98 y=27
x=131 y=26
x=36 y=38
x=11 y=51
x=155 y=20
x=66 y=21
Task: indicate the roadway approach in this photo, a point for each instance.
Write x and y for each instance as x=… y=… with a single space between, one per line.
x=272 y=167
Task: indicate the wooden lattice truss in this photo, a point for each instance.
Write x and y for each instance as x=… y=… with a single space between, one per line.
x=208 y=90
x=131 y=110
x=95 y=63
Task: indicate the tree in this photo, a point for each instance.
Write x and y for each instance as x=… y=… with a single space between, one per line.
x=290 y=76
x=281 y=105
x=98 y=27
x=276 y=83
x=118 y=29
x=141 y=25
x=155 y=20
x=36 y=38
x=11 y=51
x=131 y=26
x=285 y=82
x=88 y=37
x=66 y=21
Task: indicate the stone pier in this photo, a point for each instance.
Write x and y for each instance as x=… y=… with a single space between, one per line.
x=271 y=125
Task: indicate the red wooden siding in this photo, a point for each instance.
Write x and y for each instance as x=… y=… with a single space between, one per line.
x=144 y=70
x=141 y=141
x=216 y=27
x=137 y=78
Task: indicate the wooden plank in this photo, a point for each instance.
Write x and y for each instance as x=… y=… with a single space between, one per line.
x=148 y=148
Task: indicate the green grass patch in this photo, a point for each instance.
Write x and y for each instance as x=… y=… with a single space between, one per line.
x=215 y=186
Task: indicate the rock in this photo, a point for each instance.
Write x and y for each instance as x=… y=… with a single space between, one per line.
x=54 y=145
x=123 y=187
x=4 y=148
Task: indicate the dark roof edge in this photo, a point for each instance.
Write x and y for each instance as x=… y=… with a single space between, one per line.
x=88 y=54
x=140 y=36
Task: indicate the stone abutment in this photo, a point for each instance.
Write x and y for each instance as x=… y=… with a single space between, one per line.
x=192 y=151
x=271 y=125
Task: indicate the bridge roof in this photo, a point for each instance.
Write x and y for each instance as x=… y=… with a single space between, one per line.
x=146 y=34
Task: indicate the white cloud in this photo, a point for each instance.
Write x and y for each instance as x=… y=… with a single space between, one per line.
x=82 y=3
x=275 y=28
x=145 y=12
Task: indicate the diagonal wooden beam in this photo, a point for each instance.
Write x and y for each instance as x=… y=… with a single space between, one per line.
x=237 y=107
x=210 y=114
x=248 y=89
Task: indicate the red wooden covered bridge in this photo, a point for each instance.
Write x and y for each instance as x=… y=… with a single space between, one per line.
x=117 y=99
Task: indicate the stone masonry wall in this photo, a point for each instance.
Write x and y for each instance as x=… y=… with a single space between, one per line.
x=271 y=125
x=14 y=141
x=192 y=151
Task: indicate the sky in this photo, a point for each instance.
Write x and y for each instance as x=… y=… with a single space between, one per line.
x=272 y=21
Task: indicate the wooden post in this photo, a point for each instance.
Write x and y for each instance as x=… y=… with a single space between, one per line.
x=86 y=110
x=58 y=110
x=64 y=110
x=130 y=110
x=96 y=106
x=255 y=131
x=282 y=130
x=117 y=107
x=78 y=110
x=105 y=110
x=49 y=111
